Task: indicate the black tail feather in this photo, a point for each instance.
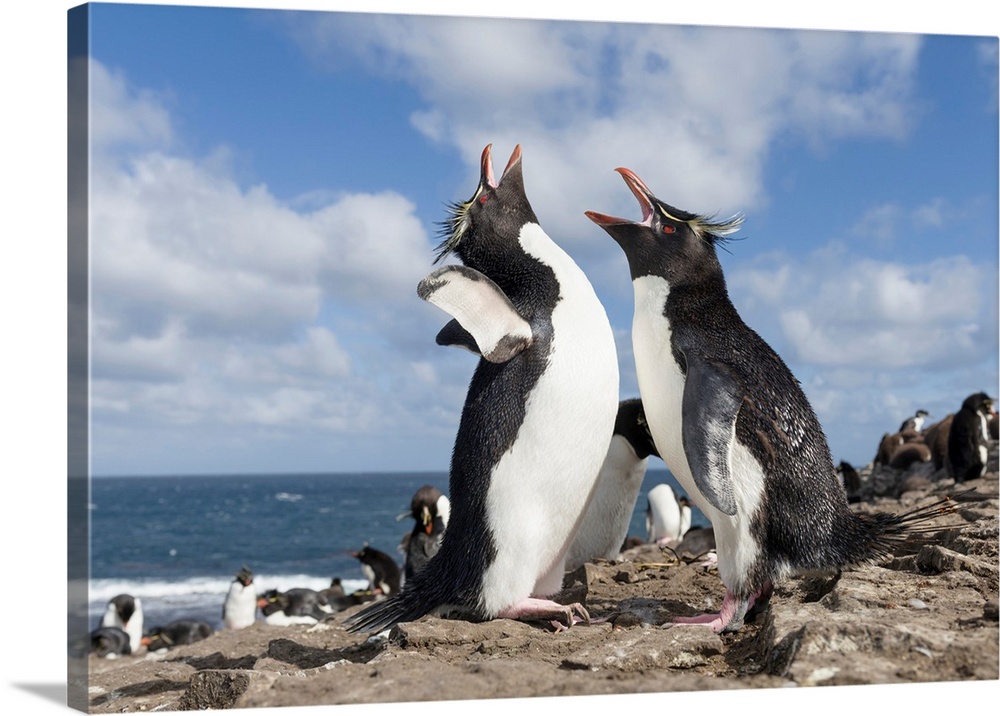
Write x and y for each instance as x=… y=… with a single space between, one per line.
x=885 y=533
x=404 y=606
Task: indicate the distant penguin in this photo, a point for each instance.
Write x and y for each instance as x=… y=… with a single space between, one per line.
x=850 y=480
x=177 y=633
x=335 y=596
x=730 y=420
x=537 y=419
x=665 y=518
x=109 y=642
x=293 y=606
x=429 y=509
x=915 y=423
x=380 y=570
x=240 y=607
x=886 y=447
x=968 y=438
x=606 y=522
x=909 y=454
x=125 y=612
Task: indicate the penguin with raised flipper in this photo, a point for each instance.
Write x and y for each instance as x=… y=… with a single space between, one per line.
x=606 y=522
x=730 y=420
x=537 y=420
x=239 y=610
x=968 y=438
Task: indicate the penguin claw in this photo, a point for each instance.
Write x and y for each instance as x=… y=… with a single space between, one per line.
x=560 y=616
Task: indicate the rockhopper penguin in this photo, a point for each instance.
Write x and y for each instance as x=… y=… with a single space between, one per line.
x=429 y=509
x=730 y=420
x=125 y=612
x=537 y=419
x=968 y=437
x=240 y=608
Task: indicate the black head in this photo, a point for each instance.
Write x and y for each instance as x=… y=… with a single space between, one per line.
x=244 y=576
x=668 y=242
x=423 y=507
x=631 y=424
x=124 y=606
x=979 y=403
x=371 y=556
x=484 y=225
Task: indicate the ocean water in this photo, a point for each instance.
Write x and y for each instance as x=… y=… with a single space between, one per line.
x=177 y=542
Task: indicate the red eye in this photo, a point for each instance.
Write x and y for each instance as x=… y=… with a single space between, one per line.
x=669 y=229
x=482 y=199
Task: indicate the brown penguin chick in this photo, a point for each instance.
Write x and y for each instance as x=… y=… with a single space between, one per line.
x=936 y=438
x=994 y=426
x=890 y=442
x=910 y=453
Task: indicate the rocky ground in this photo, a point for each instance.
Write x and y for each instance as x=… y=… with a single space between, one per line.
x=926 y=614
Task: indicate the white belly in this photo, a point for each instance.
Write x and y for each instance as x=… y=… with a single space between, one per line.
x=540 y=488
x=606 y=522
x=661 y=386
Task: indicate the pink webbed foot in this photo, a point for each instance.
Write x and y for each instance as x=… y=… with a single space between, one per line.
x=734 y=610
x=560 y=616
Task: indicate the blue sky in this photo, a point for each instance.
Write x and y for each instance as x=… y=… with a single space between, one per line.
x=266 y=187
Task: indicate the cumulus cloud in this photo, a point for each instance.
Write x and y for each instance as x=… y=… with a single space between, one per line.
x=694 y=111
x=873 y=341
x=218 y=305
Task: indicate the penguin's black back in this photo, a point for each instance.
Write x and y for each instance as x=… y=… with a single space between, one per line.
x=803 y=520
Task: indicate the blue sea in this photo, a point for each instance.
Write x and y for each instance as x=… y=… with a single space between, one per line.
x=177 y=542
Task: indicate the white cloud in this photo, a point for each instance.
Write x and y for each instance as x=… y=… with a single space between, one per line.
x=694 y=111
x=873 y=341
x=874 y=314
x=215 y=305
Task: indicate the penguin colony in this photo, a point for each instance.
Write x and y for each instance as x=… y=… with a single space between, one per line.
x=545 y=474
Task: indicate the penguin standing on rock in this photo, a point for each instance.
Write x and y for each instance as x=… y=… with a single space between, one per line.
x=429 y=509
x=125 y=612
x=968 y=437
x=730 y=420
x=380 y=569
x=667 y=516
x=605 y=525
x=240 y=608
x=537 y=419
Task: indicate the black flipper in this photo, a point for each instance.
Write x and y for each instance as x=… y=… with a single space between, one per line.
x=454 y=335
x=711 y=402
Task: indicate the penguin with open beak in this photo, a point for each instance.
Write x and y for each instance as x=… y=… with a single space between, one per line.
x=537 y=420
x=730 y=420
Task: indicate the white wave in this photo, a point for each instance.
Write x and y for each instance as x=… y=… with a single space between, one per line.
x=288 y=497
x=102 y=590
